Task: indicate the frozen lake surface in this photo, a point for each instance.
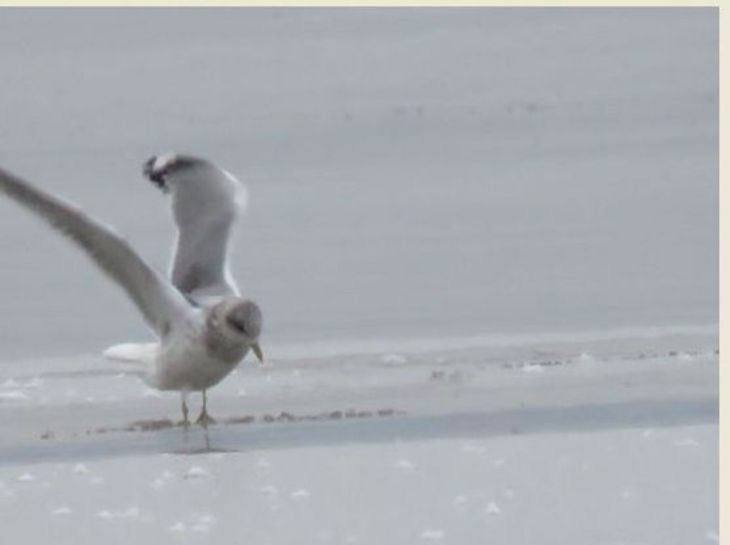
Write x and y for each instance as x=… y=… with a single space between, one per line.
x=590 y=441
x=484 y=241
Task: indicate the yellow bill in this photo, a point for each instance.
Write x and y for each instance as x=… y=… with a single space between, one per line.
x=257 y=350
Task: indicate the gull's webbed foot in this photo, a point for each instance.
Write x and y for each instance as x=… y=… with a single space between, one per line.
x=205 y=419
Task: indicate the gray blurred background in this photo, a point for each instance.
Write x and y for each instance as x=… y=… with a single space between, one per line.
x=412 y=173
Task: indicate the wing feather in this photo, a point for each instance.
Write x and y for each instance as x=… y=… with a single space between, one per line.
x=206 y=201
x=158 y=301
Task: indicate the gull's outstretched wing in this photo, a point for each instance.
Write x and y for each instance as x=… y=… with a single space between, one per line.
x=159 y=302
x=205 y=203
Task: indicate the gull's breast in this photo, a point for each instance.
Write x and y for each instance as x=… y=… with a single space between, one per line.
x=192 y=367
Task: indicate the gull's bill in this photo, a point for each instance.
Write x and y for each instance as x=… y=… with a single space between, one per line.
x=256 y=347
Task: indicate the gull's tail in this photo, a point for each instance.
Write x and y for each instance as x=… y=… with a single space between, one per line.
x=134 y=353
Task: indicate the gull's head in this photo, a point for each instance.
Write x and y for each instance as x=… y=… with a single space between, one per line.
x=240 y=320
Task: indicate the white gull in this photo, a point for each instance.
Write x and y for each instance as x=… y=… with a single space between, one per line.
x=204 y=327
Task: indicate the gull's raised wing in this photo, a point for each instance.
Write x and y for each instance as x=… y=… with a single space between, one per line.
x=158 y=301
x=206 y=201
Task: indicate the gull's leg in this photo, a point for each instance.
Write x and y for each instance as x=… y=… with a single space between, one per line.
x=204 y=419
x=184 y=398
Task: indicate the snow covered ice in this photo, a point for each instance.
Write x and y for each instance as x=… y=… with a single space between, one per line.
x=485 y=242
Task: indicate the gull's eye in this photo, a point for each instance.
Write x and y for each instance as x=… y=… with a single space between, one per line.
x=238 y=326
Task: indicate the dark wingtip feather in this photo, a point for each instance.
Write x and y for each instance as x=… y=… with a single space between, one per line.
x=156 y=176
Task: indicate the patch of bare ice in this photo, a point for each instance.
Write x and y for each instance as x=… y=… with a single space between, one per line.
x=432 y=535
x=394 y=359
x=474 y=449
x=492 y=509
x=151 y=393
x=405 y=464
x=197 y=472
x=686 y=442
x=162 y=480
x=63 y=510
x=13 y=395
x=300 y=494
x=129 y=513
x=177 y=527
